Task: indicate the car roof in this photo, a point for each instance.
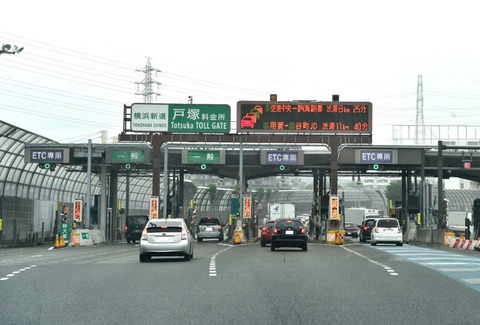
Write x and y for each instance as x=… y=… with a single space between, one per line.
x=163 y=221
x=376 y=219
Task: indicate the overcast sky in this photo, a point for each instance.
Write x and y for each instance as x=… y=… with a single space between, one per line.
x=78 y=66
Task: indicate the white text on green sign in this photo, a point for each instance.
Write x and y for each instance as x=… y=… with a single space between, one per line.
x=185 y=118
x=203 y=157
x=128 y=156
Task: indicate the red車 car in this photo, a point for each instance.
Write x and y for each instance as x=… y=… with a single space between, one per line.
x=266 y=236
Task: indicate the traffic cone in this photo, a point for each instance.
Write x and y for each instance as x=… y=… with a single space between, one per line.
x=57 y=244
x=237 y=239
x=62 y=241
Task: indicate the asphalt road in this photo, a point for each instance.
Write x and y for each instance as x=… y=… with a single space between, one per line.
x=240 y=284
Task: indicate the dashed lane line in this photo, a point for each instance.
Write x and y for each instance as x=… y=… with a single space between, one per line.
x=11 y=275
x=385 y=267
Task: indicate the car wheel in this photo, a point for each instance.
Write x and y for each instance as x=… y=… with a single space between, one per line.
x=187 y=257
x=373 y=243
x=128 y=241
x=272 y=248
x=133 y=241
x=263 y=243
x=144 y=258
x=220 y=238
x=399 y=244
x=199 y=239
x=304 y=247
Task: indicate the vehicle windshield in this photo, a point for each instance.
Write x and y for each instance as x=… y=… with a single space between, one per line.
x=295 y=224
x=209 y=221
x=387 y=223
x=138 y=220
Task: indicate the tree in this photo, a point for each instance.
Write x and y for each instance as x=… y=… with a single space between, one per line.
x=394 y=191
x=259 y=193
x=212 y=193
x=268 y=195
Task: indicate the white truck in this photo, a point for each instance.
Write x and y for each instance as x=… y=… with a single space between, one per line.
x=456 y=222
x=357 y=215
x=281 y=210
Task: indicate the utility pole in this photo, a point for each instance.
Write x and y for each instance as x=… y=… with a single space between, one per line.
x=147 y=82
x=419 y=122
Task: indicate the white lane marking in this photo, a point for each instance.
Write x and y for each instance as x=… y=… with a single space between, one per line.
x=451 y=264
x=386 y=267
x=460 y=269
x=9 y=276
x=212 y=270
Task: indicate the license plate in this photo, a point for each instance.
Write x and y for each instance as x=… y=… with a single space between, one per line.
x=162 y=239
x=288 y=232
x=209 y=229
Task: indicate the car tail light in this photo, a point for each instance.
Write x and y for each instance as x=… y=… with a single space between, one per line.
x=275 y=230
x=219 y=227
x=376 y=229
x=126 y=228
x=365 y=228
x=303 y=231
x=184 y=234
x=399 y=230
x=144 y=234
x=264 y=228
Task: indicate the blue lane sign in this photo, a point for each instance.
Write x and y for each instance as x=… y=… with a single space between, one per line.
x=281 y=157
x=376 y=157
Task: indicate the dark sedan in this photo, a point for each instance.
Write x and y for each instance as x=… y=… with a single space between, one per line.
x=351 y=229
x=366 y=229
x=289 y=233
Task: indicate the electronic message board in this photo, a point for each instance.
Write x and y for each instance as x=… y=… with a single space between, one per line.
x=304 y=117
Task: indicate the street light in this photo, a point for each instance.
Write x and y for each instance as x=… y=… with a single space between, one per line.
x=7 y=49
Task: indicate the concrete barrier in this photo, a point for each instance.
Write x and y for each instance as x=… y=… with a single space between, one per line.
x=89 y=237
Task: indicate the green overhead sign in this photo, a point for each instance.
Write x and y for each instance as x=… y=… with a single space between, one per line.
x=184 y=118
x=203 y=157
x=127 y=156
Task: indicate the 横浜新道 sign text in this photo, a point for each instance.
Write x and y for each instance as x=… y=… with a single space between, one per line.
x=184 y=118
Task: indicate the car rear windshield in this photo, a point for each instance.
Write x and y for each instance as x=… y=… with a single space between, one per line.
x=138 y=220
x=209 y=221
x=387 y=223
x=370 y=222
x=295 y=224
x=154 y=227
